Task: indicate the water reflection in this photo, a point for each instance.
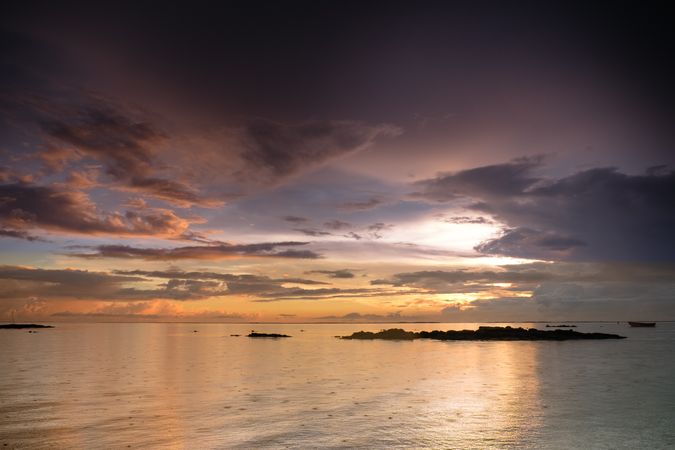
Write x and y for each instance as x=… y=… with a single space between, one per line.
x=161 y=385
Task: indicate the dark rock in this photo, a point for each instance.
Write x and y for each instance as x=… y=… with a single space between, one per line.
x=253 y=334
x=19 y=326
x=483 y=334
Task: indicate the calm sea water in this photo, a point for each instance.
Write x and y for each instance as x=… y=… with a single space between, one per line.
x=164 y=386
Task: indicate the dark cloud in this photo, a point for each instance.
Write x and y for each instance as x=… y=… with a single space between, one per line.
x=337 y=225
x=288 y=294
x=171 y=191
x=318 y=294
x=273 y=151
x=342 y=273
x=20 y=234
x=137 y=156
x=262 y=288
x=375 y=230
x=596 y=214
x=26 y=207
x=124 y=141
x=219 y=251
x=531 y=276
x=122 y=286
x=296 y=219
x=365 y=205
x=440 y=281
x=572 y=302
x=526 y=242
x=312 y=232
x=227 y=277
x=22 y=282
x=299 y=254
x=124 y=144
x=482 y=183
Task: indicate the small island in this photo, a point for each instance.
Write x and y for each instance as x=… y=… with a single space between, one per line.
x=20 y=326
x=253 y=334
x=560 y=326
x=482 y=334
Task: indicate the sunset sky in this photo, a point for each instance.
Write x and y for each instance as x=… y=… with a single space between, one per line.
x=336 y=161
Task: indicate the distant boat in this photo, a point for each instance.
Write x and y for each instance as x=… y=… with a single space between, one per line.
x=642 y=324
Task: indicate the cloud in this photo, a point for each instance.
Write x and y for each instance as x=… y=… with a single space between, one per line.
x=124 y=141
x=84 y=179
x=27 y=207
x=296 y=219
x=124 y=286
x=526 y=242
x=336 y=225
x=479 y=220
x=550 y=291
x=261 y=288
x=70 y=129
x=19 y=234
x=273 y=151
x=24 y=282
x=127 y=147
x=461 y=280
x=312 y=232
x=342 y=273
x=217 y=251
x=376 y=229
x=286 y=294
x=485 y=183
x=292 y=294
x=358 y=317
x=537 y=273
x=172 y=191
x=149 y=310
x=593 y=215
x=227 y=277
x=365 y=205
x=572 y=302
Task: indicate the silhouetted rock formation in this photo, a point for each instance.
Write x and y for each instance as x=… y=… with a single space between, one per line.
x=19 y=326
x=483 y=334
x=560 y=326
x=267 y=335
x=397 y=334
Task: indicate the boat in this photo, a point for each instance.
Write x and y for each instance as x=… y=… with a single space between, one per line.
x=642 y=324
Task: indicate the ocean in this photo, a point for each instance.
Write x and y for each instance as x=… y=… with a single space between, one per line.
x=133 y=385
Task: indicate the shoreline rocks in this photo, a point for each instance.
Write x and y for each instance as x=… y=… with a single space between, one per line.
x=482 y=334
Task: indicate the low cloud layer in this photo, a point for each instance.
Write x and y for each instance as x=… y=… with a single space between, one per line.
x=134 y=285
x=358 y=317
x=217 y=251
x=341 y=273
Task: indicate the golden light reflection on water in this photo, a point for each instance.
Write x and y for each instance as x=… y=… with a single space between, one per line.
x=166 y=386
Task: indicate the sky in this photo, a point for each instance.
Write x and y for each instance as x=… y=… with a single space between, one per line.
x=336 y=161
